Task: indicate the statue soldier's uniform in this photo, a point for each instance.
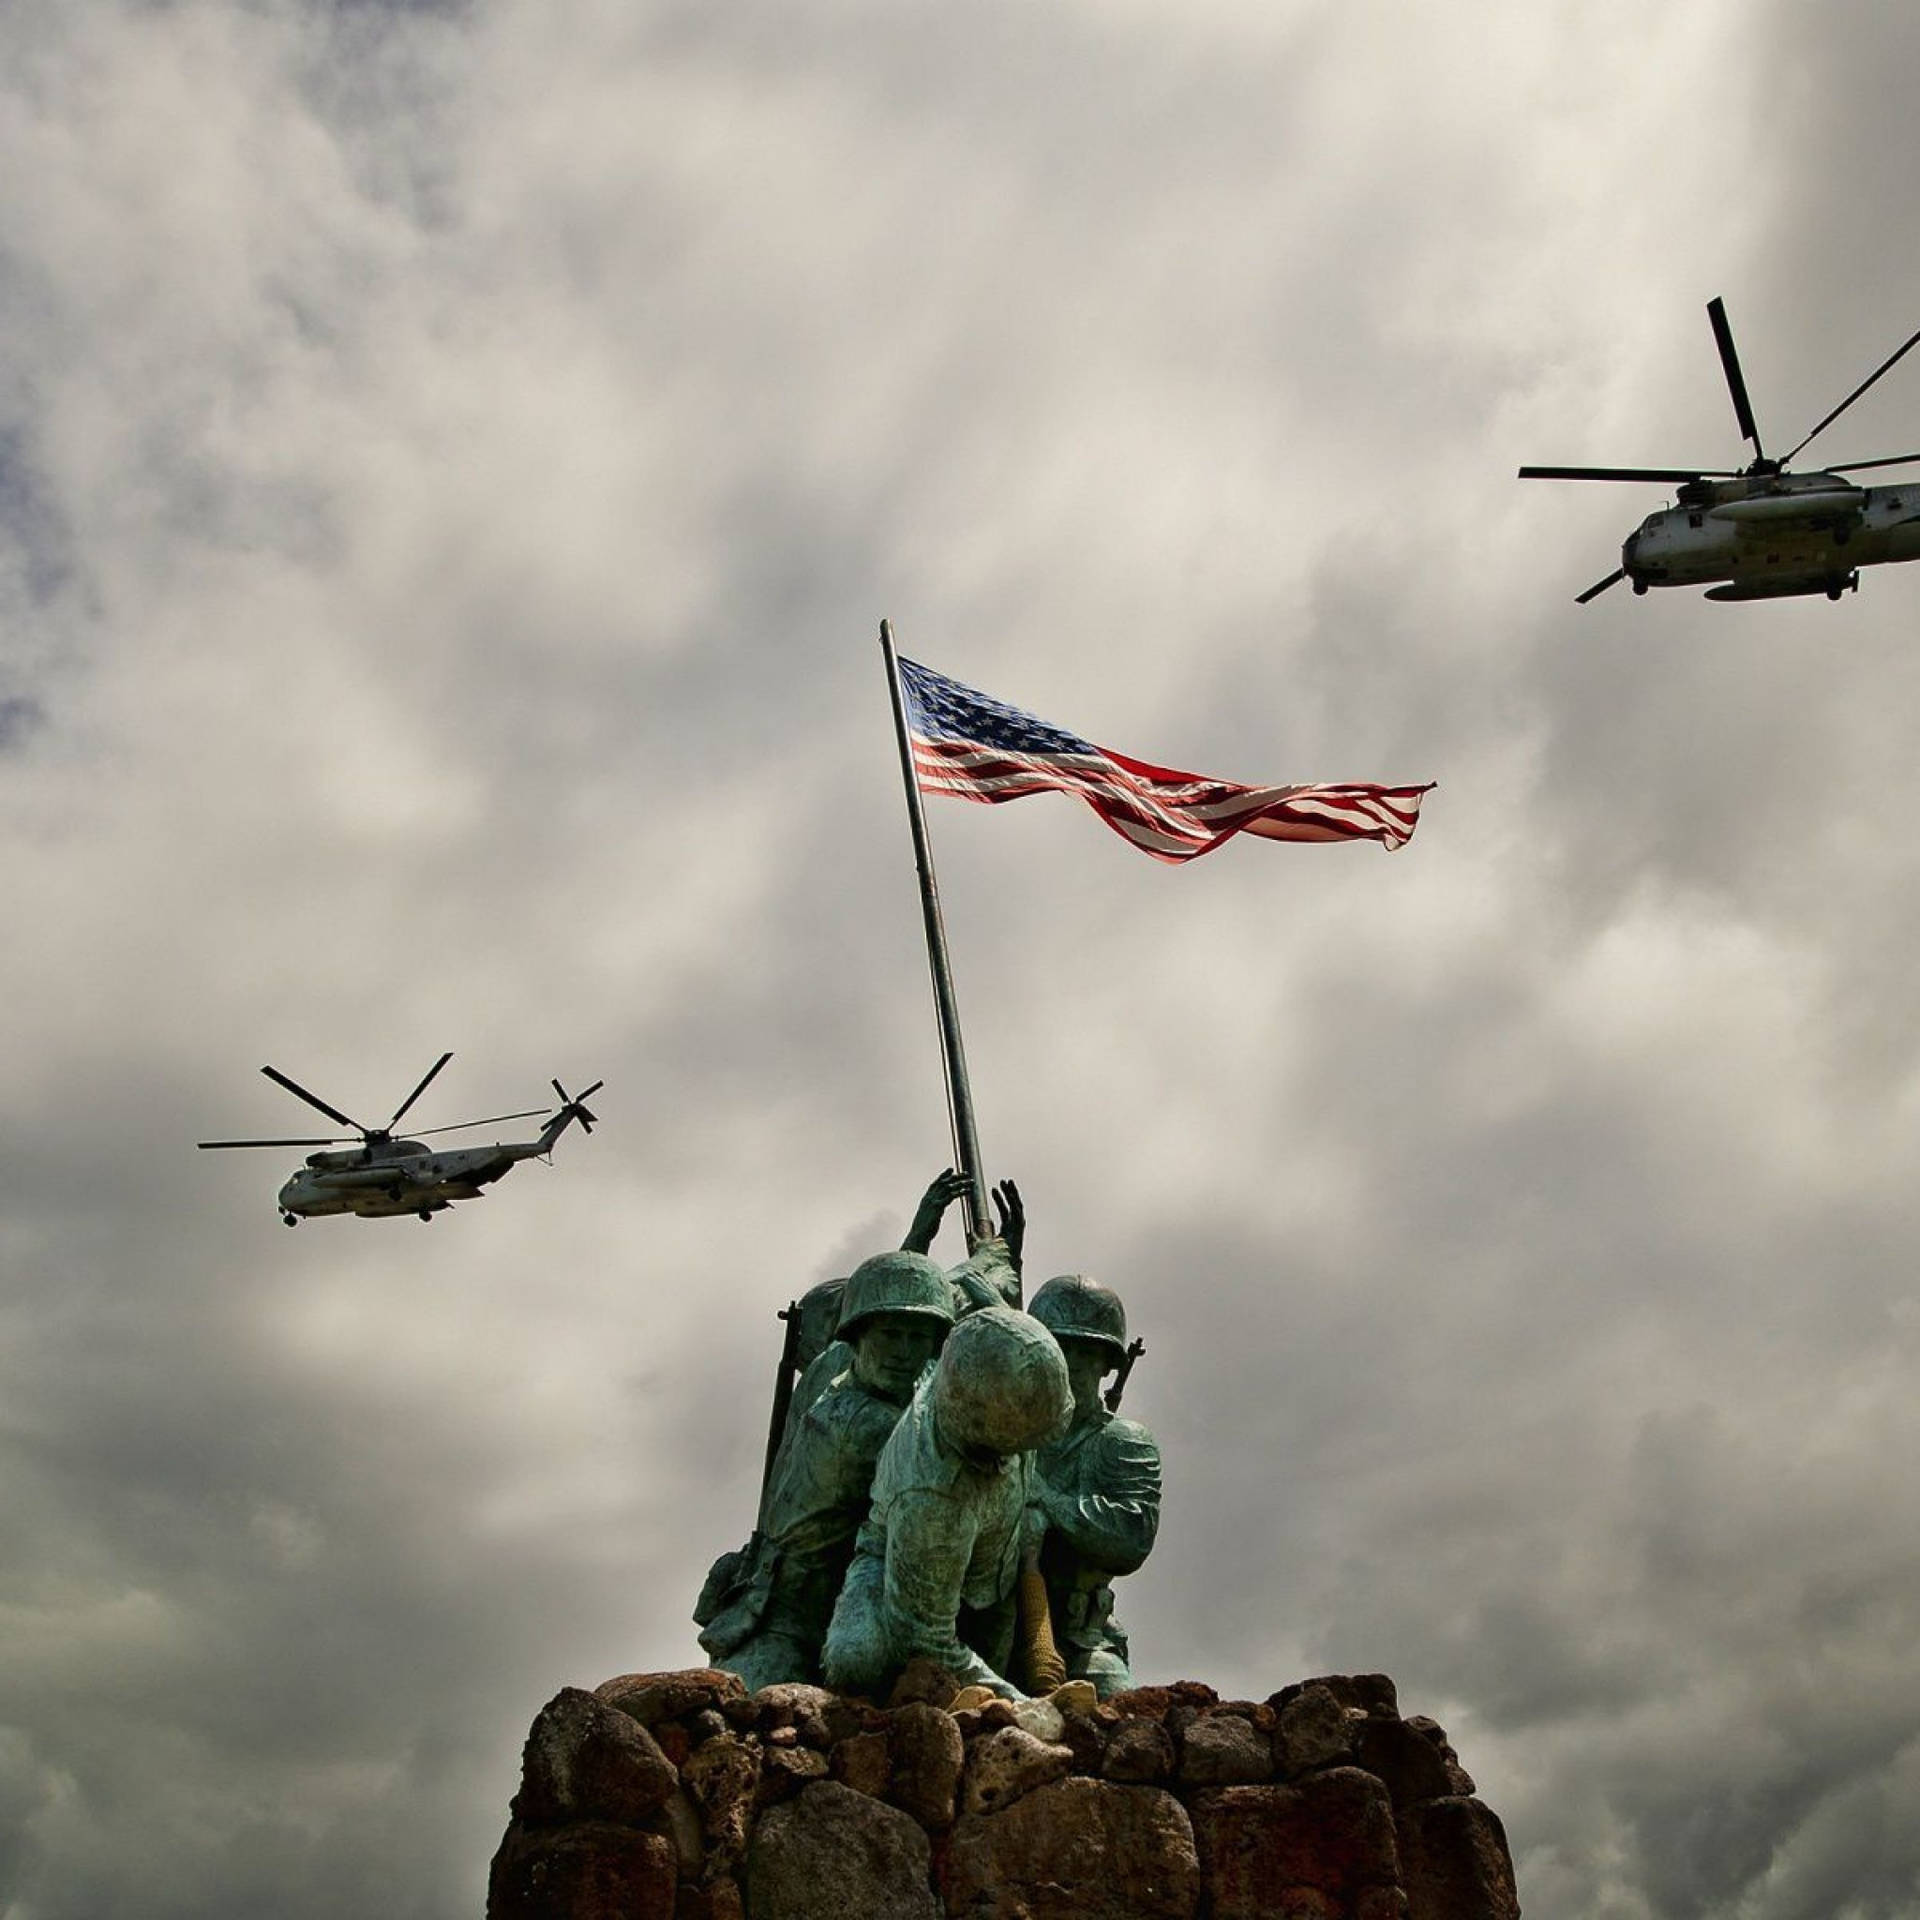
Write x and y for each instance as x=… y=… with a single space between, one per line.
x=1097 y=1488
x=768 y=1624
x=938 y=1559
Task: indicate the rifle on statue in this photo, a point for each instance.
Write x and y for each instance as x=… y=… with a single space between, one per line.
x=1113 y=1393
x=739 y=1583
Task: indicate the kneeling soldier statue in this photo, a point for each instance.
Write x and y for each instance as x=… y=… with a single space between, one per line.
x=937 y=1565
x=1096 y=1489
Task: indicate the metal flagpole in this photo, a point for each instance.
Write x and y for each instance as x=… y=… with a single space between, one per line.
x=966 y=1143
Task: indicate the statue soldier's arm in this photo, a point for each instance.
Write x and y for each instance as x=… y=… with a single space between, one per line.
x=1107 y=1508
x=942 y=1191
x=930 y=1541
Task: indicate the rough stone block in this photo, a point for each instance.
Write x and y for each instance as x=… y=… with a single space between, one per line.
x=1140 y=1752
x=785 y=1770
x=798 y=1706
x=1462 y=1780
x=864 y=1762
x=1369 y=1693
x=1456 y=1864
x=927 y=1758
x=833 y=1854
x=1152 y=1702
x=1223 y=1750
x=1086 y=1735
x=723 y=1777
x=1311 y=1729
x=1412 y=1766
x=721 y=1901
x=680 y=1821
x=1075 y=1850
x=922 y=1683
x=1382 y=1903
x=1332 y=1834
x=584 y=1872
x=1003 y=1765
x=1041 y=1718
x=652 y=1697
x=584 y=1761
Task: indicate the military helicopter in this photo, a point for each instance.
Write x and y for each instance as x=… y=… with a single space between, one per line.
x=1763 y=532
x=384 y=1177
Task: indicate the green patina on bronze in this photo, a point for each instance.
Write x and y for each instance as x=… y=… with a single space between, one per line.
x=764 y=1610
x=1096 y=1489
x=938 y=1556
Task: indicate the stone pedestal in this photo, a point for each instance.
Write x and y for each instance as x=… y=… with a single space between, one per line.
x=680 y=1796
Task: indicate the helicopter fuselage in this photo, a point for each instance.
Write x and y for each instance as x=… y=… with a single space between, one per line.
x=1764 y=532
x=402 y=1176
x=384 y=1176
x=1763 y=537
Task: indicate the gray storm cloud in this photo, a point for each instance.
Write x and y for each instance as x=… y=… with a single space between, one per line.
x=453 y=462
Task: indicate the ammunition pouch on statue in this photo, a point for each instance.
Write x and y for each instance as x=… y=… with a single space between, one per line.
x=734 y=1599
x=1084 y=1619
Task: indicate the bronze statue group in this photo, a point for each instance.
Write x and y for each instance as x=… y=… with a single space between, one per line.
x=949 y=1482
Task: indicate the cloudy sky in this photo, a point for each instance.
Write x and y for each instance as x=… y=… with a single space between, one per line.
x=453 y=464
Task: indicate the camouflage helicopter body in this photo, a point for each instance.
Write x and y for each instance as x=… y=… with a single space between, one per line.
x=385 y=1177
x=1765 y=532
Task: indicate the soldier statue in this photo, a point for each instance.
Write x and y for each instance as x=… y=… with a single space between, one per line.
x=765 y=1608
x=1096 y=1489
x=937 y=1564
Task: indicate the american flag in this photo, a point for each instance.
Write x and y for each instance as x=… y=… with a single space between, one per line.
x=977 y=748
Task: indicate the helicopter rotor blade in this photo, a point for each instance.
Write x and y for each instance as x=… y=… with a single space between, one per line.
x=1736 y=384
x=324 y=1140
x=312 y=1099
x=1600 y=586
x=1679 y=476
x=1861 y=466
x=416 y=1093
x=492 y=1120
x=1885 y=365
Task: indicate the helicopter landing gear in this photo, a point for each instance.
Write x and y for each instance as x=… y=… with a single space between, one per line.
x=289 y=1219
x=1639 y=586
x=1838 y=583
x=426 y=1213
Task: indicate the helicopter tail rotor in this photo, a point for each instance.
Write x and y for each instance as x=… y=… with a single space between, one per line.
x=573 y=1105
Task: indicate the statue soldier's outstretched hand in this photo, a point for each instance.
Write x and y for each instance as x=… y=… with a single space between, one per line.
x=1096 y=1489
x=938 y=1558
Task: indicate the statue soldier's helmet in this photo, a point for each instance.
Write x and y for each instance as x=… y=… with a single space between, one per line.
x=908 y=1283
x=1001 y=1384
x=1072 y=1307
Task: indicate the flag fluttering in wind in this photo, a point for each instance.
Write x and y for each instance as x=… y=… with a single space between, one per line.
x=978 y=748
